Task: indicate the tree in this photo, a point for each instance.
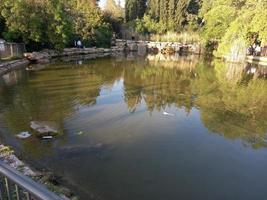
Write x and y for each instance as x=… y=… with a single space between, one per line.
x=87 y=19
x=42 y=22
x=60 y=30
x=51 y=23
x=134 y=9
x=235 y=27
x=113 y=9
x=217 y=22
x=153 y=9
x=2 y=25
x=174 y=14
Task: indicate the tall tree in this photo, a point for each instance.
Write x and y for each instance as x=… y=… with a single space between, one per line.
x=113 y=9
x=153 y=9
x=134 y=9
x=43 y=22
x=2 y=25
x=87 y=19
x=164 y=10
x=174 y=14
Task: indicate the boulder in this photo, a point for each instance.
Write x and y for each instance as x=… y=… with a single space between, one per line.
x=37 y=56
x=132 y=46
x=35 y=67
x=142 y=49
x=168 y=50
x=43 y=128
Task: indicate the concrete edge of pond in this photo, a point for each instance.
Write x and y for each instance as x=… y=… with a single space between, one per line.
x=6 y=67
x=45 y=56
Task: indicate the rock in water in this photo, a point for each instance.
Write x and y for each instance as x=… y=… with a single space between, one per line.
x=44 y=128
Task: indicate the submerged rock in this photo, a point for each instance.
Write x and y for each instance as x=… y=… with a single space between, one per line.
x=43 y=128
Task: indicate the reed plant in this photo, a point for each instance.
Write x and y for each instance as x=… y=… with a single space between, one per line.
x=184 y=37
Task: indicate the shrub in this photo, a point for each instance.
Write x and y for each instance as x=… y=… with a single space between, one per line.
x=103 y=36
x=185 y=37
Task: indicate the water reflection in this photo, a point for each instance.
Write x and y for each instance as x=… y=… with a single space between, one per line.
x=233 y=103
x=231 y=98
x=118 y=103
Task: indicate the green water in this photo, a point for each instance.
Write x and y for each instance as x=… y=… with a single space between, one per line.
x=144 y=130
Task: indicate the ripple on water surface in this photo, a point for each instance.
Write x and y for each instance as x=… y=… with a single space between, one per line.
x=143 y=129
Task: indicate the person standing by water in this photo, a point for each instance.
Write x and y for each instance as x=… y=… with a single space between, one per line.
x=79 y=44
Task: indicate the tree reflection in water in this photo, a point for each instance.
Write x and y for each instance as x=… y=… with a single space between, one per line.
x=232 y=99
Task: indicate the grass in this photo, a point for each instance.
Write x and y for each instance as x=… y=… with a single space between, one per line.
x=184 y=38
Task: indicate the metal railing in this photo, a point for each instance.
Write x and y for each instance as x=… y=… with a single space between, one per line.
x=16 y=186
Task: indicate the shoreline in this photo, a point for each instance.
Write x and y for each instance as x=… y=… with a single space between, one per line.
x=141 y=47
x=9 y=66
x=8 y=156
x=45 y=56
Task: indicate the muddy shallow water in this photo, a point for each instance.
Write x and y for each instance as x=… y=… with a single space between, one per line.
x=143 y=129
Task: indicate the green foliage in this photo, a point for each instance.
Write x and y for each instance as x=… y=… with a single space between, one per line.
x=45 y=22
x=234 y=23
x=140 y=27
x=2 y=25
x=174 y=14
x=23 y=20
x=162 y=16
x=103 y=36
x=149 y=25
x=87 y=19
x=217 y=21
x=134 y=9
x=114 y=15
x=60 y=30
x=184 y=38
x=113 y=9
x=52 y=24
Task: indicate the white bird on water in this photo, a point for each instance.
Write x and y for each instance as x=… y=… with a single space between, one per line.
x=168 y=114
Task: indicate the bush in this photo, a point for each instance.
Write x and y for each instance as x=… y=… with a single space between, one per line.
x=148 y=25
x=103 y=36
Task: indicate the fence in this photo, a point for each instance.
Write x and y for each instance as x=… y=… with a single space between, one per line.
x=14 y=185
x=10 y=50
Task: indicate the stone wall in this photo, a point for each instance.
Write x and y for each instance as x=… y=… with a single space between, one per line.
x=141 y=47
x=45 y=55
x=131 y=45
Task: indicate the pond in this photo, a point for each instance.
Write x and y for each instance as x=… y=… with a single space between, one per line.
x=144 y=129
